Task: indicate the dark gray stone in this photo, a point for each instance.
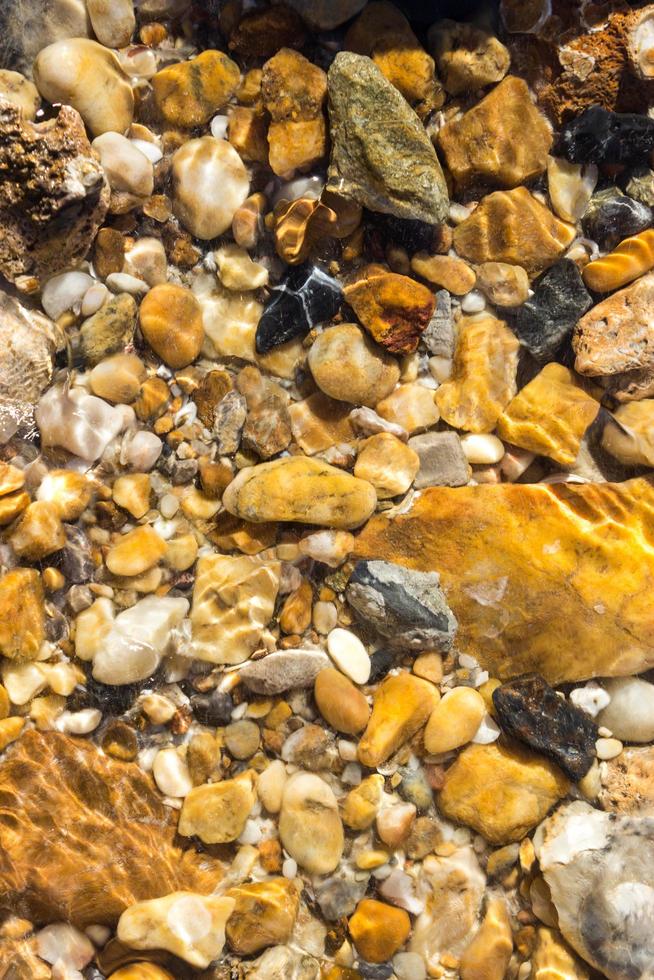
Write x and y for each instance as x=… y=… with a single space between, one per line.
x=548 y=317
x=340 y=896
x=438 y=337
x=611 y=216
x=306 y=297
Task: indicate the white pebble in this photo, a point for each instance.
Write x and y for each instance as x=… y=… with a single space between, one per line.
x=409 y=966
x=77 y=421
x=126 y=167
x=369 y=422
x=458 y=213
x=630 y=714
x=591 y=698
x=150 y=150
x=138 y=62
x=310 y=187
x=324 y=616
x=608 y=748
x=63 y=944
x=79 y=722
x=482 y=450
x=347 y=750
x=218 y=127
x=171 y=773
x=169 y=505
x=99 y=935
x=94 y=298
x=289 y=868
x=23 y=681
x=251 y=833
x=65 y=292
x=270 y=785
x=487 y=732
x=143 y=451
x=440 y=368
x=147 y=260
x=473 y=302
x=120 y=282
x=349 y=654
x=351 y=775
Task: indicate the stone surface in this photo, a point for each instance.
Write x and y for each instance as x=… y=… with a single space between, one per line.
x=325 y=15
x=171 y=322
x=113 y=22
x=438 y=335
x=552 y=957
x=550 y=415
x=189 y=93
x=483 y=376
x=388 y=463
x=530 y=710
x=628 y=783
x=53 y=193
x=616 y=335
x=198 y=167
x=22 y=614
x=111 y=840
x=310 y=827
x=406 y=607
x=216 y=812
x=535 y=574
x=600 y=136
x=264 y=915
x=340 y=703
x=599 y=869
x=632 y=258
x=468 y=57
x=630 y=712
x=501 y=792
x=300 y=489
x=319 y=422
x=547 y=318
x=570 y=187
x=393 y=308
x=348 y=366
x=109 y=330
x=401 y=706
x=612 y=216
x=378 y=930
x=451 y=273
x=305 y=298
x=631 y=441
x=283 y=671
x=410 y=406
x=294 y=91
x=454 y=721
x=233 y=602
x=381 y=155
x=503 y=140
x=442 y=460
x=488 y=955
x=135 y=552
x=513 y=226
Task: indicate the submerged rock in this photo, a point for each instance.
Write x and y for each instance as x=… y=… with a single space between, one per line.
x=306 y=297
x=545 y=320
x=612 y=216
x=600 y=136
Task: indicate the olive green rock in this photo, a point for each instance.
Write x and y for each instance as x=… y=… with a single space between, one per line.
x=109 y=330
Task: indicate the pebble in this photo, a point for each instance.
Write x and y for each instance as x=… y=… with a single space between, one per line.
x=608 y=748
x=631 y=259
x=411 y=407
x=401 y=706
x=130 y=648
x=69 y=491
x=118 y=378
x=349 y=654
x=242 y=738
x=39 y=531
x=126 y=168
x=324 y=617
x=310 y=827
x=598 y=135
x=340 y=703
x=20 y=92
x=171 y=322
x=489 y=953
x=329 y=546
x=146 y=260
x=468 y=57
x=378 y=930
x=348 y=366
x=454 y=721
x=199 y=166
x=113 y=21
x=570 y=187
x=473 y=302
x=393 y=308
x=630 y=712
x=132 y=493
x=171 y=773
x=264 y=915
x=121 y=282
x=217 y=812
x=64 y=292
x=613 y=336
x=62 y=944
x=109 y=330
x=87 y=76
x=548 y=317
x=80 y=423
x=143 y=451
x=450 y=273
x=307 y=296
x=443 y=462
x=237 y=270
x=79 y=722
x=135 y=552
x=187 y=94
x=503 y=284
x=631 y=440
x=388 y=463
x=270 y=785
x=482 y=450
x=283 y=671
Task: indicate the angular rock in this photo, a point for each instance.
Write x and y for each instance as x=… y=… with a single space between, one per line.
x=300 y=489
x=535 y=574
x=600 y=871
x=570 y=187
x=378 y=930
x=489 y=953
x=22 y=614
x=553 y=957
x=53 y=193
x=617 y=335
x=600 y=136
x=406 y=607
x=294 y=91
x=442 y=460
x=319 y=422
x=401 y=706
x=393 y=308
x=628 y=783
x=438 y=335
x=484 y=375
x=217 y=812
x=284 y=671
x=189 y=93
x=264 y=915
x=501 y=792
x=307 y=297
x=110 y=838
x=631 y=440
x=468 y=57
x=513 y=226
x=545 y=320
x=109 y=330
x=410 y=408
x=611 y=216
x=28 y=340
x=550 y=415
x=531 y=711
x=451 y=273
x=381 y=155
x=502 y=141
x=233 y=602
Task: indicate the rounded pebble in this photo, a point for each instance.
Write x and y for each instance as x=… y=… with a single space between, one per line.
x=482 y=450
x=608 y=748
x=454 y=721
x=630 y=713
x=199 y=167
x=340 y=703
x=349 y=654
x=171 y=322
x=171 y=773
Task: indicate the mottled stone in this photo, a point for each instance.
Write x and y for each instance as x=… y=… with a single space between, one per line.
x=451 y=273
x=347 y=365
x=294 y=91
x=189 y=93
x=513 y=226
x=53 y=193
x=501 y=792
x=393 y=308
x=310 y=827
x=378 y=930
x=600 y=871
x=171 y=322
x=631 y=440
x=531 y=711
x=388 y=463
x=283 y=671
x=546 y=319
x=600 y=136
x=305 y=298
x=468 y=57
x=264 y=915
x=442 y=460
x=612 y=216
x=617 y=335
x=22 y=614
x=110 y=839
x=503 y=140
x=411 y=407
x=483 y=377
x=406 y=607
x=216 y=812
x=550 y=415
x=535 y=574
x=401 y=706
x=628 y=782
x=300 y=489
x=109 y=330
x=381 y=155
x=319 y=422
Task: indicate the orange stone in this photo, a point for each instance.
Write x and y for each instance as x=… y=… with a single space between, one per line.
x=393 y=308
x=631 y=259
x=378 y=930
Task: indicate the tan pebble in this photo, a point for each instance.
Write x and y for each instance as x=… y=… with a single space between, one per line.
x=12 y=505
x=340 y=703
x=454 y=720
x=378 y=930
x=410 y=406
x=39 y=531
x=503 y=284
x=264 y=915
x=324 y=617
x=118 y=379
x=487 y=957
x=362 y=803
x=468 y=57
x=401 y=706
x=388 y=463
x=198 y=506
x=270 y=785
x=310 y=827
x=141 y=971
x=236 y=269
x=113 y=21
x=553 y=959
x=198 y=167
x=570 y=186
x=628 y=261
x=152 y=400
x=429 y=665
x=369 y=860
x=132 y=493
x=126 y=167
x=318 y=422
x=69 y=491
x=146 y=259
x=188 y=93
x=181 y=552
x=171 y=322
x=632 y=440
x=608 y=748
x=19 y=91
x=445 y=271
x=347 y=365
x=22 y=614
x=217 y=812
x=295 y=616
x=135 y=552
x=158 y=708
x=242 y=738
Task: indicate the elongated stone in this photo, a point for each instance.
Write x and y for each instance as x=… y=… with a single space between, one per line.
x=402 y=704
x=547 y=578
x=22 y=614
x=632 y=258
x=600 y=136
x=306 y=297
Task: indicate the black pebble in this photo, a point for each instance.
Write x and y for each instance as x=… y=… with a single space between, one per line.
x=413 y=235
x=306 y=297
x=214 y=708
x=547 y=317
x=611 y=216
x=600 y=136
x=381 y=662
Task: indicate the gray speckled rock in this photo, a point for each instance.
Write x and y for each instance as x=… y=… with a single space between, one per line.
x=600 y=871
x=405 y=606
x=27 y=26
x=443 y=462
x=283 y=671
x=381 y=154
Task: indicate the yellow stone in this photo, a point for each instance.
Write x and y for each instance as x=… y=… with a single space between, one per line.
x=454 y=720
x=632 y=441
x=411 y=406
x=393 y=308
x=11 y=478
x=632 y=258
x=369 y=860
x=388 y=463
x=402 y=704
x=341 y=704
x=233 y=602
x=553 y=959
x=446 y=271
x=318 y=422
x=487 y=957
x=39 y=531
x=216 y=812
x=501 y=792
x=503 y=140
x=514 y=227
x=171 y=322
x=548 y=578
x=550 y=415
x=12 y=505
x=264 y=915
x=378 y=930
x=362 y=802
x=22 y=614
x=296 y=143
x=300 y=489
x=10 y=729
x=141 y=971
x=189 y=93
x=483 y=378
x=132 y=493
x=136 y=552
x=68 y=490
x=181 y=552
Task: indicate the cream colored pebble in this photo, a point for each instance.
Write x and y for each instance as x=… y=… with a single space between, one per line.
x=482 y=450
x=147 y=260
x=171 y=773
x=349 y=654
x=23 y=681
x=158 y=708
x=236 y=269
x=127 y=169
x=608 y=748
x=79 y=722
x=324 y=617
x=270 y=786
x=113 y=21
x=455 y=720
x=199 y=168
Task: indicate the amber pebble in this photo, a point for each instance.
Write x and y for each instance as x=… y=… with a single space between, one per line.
x=171 y=322
x=188 y=93
x=632 y=258
x=119 y=740
x=141 y=971
x=378 y=930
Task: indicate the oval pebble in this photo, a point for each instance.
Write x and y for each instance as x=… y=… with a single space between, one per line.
x=349 y=654
x=455 y=720
x=171 y=773
x=482 y=450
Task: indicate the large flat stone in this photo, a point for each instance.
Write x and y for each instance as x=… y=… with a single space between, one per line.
x=549 y=578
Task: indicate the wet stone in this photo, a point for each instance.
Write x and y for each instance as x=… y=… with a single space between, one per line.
x=548 y=317
x=612 y=216
x=306 y=297
x=600 y=136
x=531 y=711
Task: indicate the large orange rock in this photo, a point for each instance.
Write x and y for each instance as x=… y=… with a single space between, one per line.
x=549 y=578
x=83 y=836
x=393 y=308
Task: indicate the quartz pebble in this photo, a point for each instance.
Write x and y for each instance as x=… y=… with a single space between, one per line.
x=216 y=812
x=113 y=21
x=126 y=168
x=198 y=167
x=80 y=423
x=349 y=654
x=388 y=463
x=503 y=284
x=630 y=713
x=482 y=450
x=171 y=773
